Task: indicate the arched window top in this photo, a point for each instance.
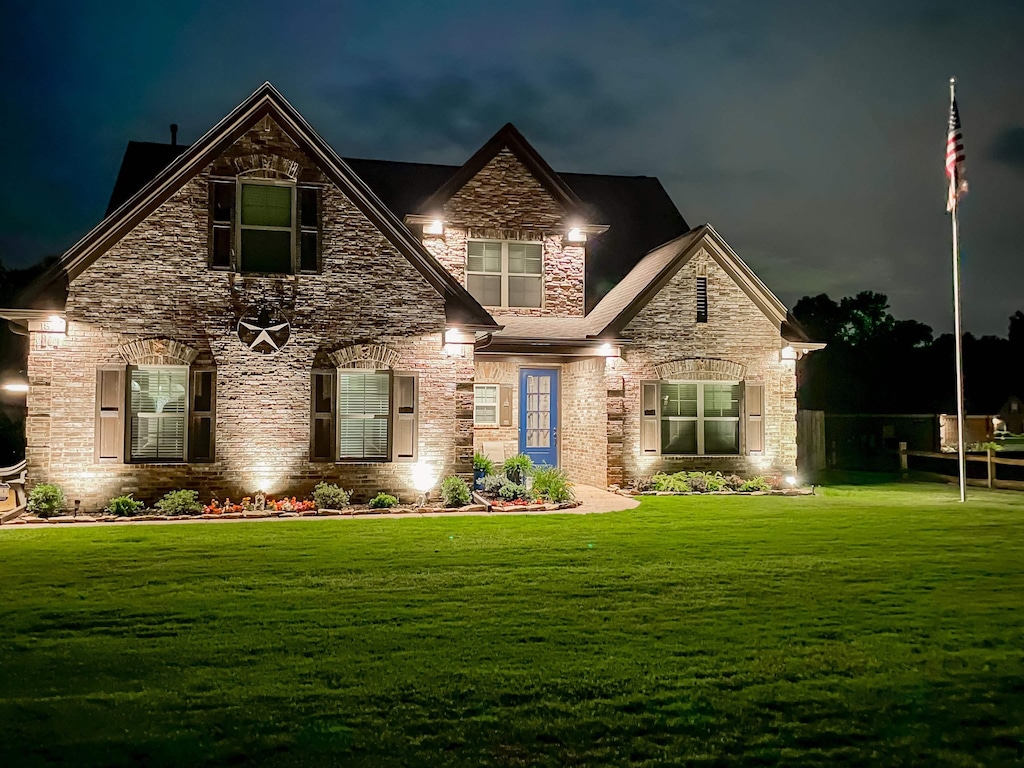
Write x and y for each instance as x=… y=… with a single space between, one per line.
x=372 y=356
x=157 y=352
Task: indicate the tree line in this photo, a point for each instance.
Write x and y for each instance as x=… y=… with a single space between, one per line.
x=875 y=363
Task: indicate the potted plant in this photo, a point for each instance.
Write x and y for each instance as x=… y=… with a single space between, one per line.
x=482 y=467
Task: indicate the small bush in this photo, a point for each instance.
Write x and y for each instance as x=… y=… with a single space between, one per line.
x=755 y=484
x=45 y=499
x=697 y=482
x=677 y=483
x=383 y=501
x=734 y=482
x=482 y=464
x=553 y=484
x=518 y=468
x=493 y=483
x=180 y=502
x=709 y=481
x=514 y=492
x=330 y=496
x=124 y=506
x=455 y=492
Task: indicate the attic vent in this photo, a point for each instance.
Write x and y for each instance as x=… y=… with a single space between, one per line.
x=702 y=299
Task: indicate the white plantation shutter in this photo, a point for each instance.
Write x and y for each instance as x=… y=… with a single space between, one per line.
x=364 y=411
x=650 y=439
x=158 y=407
x=405 y=415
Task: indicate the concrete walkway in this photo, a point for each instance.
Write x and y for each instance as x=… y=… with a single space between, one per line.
x=594 y=501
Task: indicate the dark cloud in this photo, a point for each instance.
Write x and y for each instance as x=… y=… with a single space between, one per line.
x=1008 y=147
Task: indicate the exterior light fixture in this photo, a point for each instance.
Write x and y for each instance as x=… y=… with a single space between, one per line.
x=608 y=350
x=423 y=479
x=15 y=386
x=788 y=353
x=435 y=227
x=791 y=481
x=577 y=235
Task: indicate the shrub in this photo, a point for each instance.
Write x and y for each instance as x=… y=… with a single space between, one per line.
x=677 y=483
x=553 y=484
x=734 y=482
x=330 y=496
x=697 y=482
x=482 y=464
x=383 y=501
x=755 y=484
x=180 y=502
x=45 y=499
x=493 y=483
x=455 y=492
x=124 y=506
x=712 y=481
x=517 y=468
x=514 y=492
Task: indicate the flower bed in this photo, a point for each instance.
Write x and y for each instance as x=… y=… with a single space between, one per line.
x=712 y=484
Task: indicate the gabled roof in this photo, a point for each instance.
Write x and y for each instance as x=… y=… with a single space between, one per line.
x=460 y=306
x=638 y=210
x=506 y=137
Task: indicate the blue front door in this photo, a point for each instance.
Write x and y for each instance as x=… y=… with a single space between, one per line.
x=538 y=414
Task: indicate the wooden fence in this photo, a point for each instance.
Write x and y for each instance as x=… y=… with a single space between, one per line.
x=990 y=458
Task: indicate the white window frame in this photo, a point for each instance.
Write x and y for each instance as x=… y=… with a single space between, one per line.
x=388 y=418
x=185 y=415
x=497 y=405
x=700 y=418
x=505 y=274
x=239 y=227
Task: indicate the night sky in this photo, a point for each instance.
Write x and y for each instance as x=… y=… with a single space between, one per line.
x=811 y=135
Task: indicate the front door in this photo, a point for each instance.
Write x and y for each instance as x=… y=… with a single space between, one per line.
x=538 y=414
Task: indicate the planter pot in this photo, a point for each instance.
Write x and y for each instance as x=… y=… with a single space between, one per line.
x=478 y=479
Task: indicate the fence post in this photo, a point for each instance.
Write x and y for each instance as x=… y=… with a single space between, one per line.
x=991 y=467
x=903 y=459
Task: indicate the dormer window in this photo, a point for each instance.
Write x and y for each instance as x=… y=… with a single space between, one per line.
x=264 y=226
x=505 y=273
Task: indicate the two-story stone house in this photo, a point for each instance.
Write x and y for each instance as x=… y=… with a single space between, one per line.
x=255 y=312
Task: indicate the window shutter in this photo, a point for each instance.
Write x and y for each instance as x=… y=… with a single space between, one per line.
x=322 y=432
x=702 y=299
x=109 y=437
x=308 y=204
x=505 y=406
x=203 y=416
x=649 y=426
x=222 y=217
x=753 y=396
x=405 y=417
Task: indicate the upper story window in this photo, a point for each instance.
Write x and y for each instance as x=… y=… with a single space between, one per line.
x=505 y=273
x=263 y=226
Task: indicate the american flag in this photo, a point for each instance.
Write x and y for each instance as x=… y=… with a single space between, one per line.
x=955 y=158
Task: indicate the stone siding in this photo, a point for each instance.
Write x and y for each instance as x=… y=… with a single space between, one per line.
x=155 y=283
x=668 y=339
x=505 y=202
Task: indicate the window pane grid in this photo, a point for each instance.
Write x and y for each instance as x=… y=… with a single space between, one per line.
x=364 y=406
x=505 y=273
x=699 y=418
x=485 y=404
x=158 y=408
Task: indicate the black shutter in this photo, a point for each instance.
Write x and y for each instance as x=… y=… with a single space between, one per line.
x=222 y=219
x=702 y=299
x=322 y=431
x=309 y=229
x=203 y=415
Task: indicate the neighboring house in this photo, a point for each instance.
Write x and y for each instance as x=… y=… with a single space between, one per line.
x=256 y=313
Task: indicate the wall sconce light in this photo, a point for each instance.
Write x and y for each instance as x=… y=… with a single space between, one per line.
x=788 y=353
x=576 y=235
x=608 y=350
x=435 y=227
x=15 y=384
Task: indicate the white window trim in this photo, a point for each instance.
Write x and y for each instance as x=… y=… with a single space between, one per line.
x=700 y=418
x=505 y=274
x=389 y=418
x=293 y=229
x=130 y=458
x=497 y=405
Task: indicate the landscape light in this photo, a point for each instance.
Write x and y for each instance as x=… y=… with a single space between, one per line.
x=15 y=386
x=791 y=481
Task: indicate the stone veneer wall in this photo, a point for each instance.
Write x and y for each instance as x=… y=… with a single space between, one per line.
x=666 y=331
x=507 y=374
x=505 y=202
x=583 y=422
x=155 y=283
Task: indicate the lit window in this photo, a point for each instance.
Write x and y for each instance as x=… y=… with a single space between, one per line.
x=364 y=409
x=699 y=418
x=265 y=228
x=485 y=405
x=504 y=273
x=158 y=405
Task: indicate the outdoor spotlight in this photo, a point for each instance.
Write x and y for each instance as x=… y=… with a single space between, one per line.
x=791 y=481
x=16 y=386
x=435 y=227
x=607 y=350
x=576 y=235
x=788 y=353
x=423 y=479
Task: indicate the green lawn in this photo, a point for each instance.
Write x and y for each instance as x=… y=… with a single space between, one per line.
x=870 y=625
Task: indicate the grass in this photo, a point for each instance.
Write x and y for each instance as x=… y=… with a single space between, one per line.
x=873 y=625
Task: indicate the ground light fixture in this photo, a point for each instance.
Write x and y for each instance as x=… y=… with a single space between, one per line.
x=16 y=383
x=423 y=479
x=791 y=481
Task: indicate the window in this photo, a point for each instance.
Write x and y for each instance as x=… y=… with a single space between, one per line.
x=691 y=418
x=485 y=405
x=504 y=273
x=150 y=413
x=376 y=417
x=266 y=212
x=702 y=299
x=157 y=409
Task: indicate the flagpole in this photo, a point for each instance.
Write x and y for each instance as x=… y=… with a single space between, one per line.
x=954 y=192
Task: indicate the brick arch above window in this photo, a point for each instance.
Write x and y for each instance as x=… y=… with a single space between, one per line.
x=701 y=369
x=371 y=356
x=157 y=352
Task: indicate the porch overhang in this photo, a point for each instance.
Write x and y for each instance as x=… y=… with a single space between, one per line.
x=499 y=344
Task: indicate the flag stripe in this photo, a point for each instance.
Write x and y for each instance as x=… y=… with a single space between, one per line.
x=955 y=157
